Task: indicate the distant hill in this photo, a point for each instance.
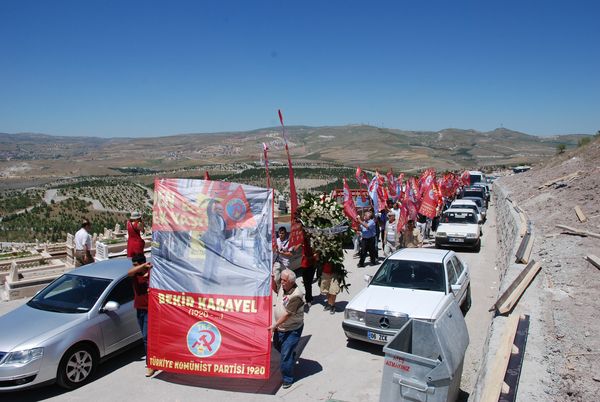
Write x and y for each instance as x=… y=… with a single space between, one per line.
x=368 y=146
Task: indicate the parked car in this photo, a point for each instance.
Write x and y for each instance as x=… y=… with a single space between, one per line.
x=475 y=192
x=475 y=176
x=65 y=330
x=458 y=228
x=472 y=205
x=480 y=204
x=485 y=188
x=411 y=283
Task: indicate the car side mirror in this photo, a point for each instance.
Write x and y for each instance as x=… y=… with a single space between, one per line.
x=368 y=278
x=110 y=306
x=455 y=288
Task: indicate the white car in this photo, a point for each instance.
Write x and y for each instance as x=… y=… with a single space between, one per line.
x=458 y=228
x=469 y=204
x=411 y=283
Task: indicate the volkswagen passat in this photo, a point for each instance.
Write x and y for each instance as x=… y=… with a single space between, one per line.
x=411 y=283
x=64 y=331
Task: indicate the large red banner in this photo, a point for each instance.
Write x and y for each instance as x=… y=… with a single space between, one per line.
x=210 y=295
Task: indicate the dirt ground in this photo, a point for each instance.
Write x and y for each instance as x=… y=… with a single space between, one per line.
x=565 y=346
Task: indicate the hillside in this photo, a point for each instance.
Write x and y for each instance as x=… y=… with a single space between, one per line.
x=562 y=361
x=37 y=156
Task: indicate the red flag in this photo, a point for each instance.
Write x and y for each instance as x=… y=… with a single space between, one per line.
x=349 y=207
x=402 y=216
x=237 y=212
x=296 y=236
x=361 y=177
x=465 y=178
x=429 y=201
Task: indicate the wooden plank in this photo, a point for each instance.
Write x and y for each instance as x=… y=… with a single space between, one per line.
x=494 y=379
x=580 y=215
x=521 y=283
x=594 y=260
x=523 y=225
x=562 y=178
x=527 y=254
x=574 y=231
x=524 y=251
x=506 y=294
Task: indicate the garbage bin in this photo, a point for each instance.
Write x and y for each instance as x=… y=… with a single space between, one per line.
x=424 y=360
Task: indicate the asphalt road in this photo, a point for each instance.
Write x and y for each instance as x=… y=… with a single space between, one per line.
x=329 y=368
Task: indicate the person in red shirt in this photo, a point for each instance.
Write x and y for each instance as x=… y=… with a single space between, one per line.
x=140 y=278
x=307 y=265
x=135 y=228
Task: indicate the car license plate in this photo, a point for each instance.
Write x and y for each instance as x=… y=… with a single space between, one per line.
x=456 y=240
x=374 y=336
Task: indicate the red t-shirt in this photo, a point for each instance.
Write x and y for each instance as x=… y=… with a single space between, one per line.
x=307 y=254
x=327 y=268
x=140 y=290
x=135 y=243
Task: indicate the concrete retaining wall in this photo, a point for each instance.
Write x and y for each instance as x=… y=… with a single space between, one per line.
x=507 y=225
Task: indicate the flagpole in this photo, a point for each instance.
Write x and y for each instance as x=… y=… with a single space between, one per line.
x=296 y=230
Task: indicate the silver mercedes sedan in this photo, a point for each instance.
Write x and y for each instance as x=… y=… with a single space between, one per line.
x=69 y=327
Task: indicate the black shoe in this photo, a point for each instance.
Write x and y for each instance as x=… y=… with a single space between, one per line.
x=360 y=265
x=326 y=307
x=286 y=385
x=332 y=310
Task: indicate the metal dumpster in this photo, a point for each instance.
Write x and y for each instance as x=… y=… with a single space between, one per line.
x=424 y=360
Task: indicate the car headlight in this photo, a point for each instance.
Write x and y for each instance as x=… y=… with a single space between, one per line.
x=472 y=235
x=354 y=315
x=23 y=357
x=440 y=234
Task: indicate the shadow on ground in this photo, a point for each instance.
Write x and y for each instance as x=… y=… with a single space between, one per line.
x=304 y=368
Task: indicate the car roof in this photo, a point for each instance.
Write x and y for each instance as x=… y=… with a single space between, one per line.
x=420 y=254
x=114 y=268
x=461 y=210
x=463 y=201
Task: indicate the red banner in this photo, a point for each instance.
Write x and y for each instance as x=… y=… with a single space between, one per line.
x=210 y=286
x=349 y=207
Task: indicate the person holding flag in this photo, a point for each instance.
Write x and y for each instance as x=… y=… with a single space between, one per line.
x=368 y=238
x=391 y=236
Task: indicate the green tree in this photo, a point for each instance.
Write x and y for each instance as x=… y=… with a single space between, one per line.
x=560 y=148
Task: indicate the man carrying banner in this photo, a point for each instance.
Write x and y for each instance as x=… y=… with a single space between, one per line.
x=140 y=278
x=289 y=322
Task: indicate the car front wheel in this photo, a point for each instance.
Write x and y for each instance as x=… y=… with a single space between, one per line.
x=76 y=367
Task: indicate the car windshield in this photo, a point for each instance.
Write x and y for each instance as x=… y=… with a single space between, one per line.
x=472 y=193
x=476 y=200
x=411 y=275
x=70 y=294
x=474 y=178
x=465 y=206
x=459 y=217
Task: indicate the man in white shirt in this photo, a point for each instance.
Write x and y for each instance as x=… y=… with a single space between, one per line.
x=83 y=244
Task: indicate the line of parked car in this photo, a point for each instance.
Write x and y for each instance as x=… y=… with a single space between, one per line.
x=420 y=283
x=461 y=224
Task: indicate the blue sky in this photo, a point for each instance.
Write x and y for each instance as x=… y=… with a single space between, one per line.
x=141 y=68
